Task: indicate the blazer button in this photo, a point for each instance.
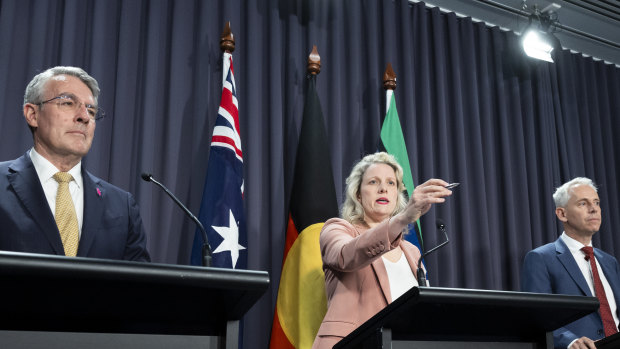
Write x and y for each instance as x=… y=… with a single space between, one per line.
x=600 y=332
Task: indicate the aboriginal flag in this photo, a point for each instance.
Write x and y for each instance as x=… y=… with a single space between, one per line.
x=302 y=302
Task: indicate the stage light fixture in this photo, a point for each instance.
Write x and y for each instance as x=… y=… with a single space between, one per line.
x=537 y=39
x=537 y=45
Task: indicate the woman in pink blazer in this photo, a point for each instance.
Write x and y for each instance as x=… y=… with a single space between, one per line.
x=366 y=261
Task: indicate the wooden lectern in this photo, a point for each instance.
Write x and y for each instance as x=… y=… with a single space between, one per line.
x=61 y=294
x=433 y=317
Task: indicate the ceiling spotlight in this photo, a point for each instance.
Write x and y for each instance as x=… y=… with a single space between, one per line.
x=537 y=45
x=537 y=39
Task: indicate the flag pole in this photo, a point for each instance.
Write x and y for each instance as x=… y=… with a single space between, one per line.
x=389 y=78
x=314 y=62
x=227 y=40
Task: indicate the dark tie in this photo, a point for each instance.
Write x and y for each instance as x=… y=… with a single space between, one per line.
x=608 y=320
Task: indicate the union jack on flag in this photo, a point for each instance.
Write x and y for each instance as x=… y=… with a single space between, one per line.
x=221 y=210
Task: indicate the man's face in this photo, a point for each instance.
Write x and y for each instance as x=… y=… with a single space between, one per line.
x=62 y=135
x=582 y=214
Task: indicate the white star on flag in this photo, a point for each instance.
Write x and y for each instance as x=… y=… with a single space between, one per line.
x=231 y=239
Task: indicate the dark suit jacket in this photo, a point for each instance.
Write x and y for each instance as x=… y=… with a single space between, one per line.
x=552 y=269
x=111 y=228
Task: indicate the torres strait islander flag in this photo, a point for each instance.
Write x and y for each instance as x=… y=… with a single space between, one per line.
x=302 y=302
x=393 y=142
x=221 y=211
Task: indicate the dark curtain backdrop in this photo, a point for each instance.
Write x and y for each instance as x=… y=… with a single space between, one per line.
x=474 y=110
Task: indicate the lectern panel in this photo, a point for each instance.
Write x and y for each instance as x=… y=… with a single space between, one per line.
x=466 y=315
x=55 y=293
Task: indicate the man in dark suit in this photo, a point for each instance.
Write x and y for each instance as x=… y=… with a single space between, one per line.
x=48 y=202
x=564 y=267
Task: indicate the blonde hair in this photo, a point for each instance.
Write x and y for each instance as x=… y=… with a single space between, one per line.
x=352 y=209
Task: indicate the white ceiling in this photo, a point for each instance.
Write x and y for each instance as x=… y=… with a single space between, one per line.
x=591 y=27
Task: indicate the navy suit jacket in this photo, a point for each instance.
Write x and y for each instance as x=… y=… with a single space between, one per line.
x=552 y=269
x=111 y=228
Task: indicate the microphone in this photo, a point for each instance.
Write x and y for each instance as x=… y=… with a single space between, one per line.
x=421 y=275
x=206 y=248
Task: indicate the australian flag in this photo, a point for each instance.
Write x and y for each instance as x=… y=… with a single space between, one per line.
x=221 y=210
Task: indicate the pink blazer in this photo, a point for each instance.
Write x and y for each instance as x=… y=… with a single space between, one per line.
x=356 y=281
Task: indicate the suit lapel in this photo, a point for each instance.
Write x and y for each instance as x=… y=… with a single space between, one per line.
x=411 y=259
x=93 y=211
x=568 y=261
x=25 y=182
x=378 y=267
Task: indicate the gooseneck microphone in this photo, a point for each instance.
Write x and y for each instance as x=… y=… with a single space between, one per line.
x=206 y=248
x=421 y=274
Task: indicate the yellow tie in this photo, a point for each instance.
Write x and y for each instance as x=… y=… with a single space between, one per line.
x=66 y=219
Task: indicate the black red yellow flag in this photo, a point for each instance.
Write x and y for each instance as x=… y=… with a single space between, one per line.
x=301 y=302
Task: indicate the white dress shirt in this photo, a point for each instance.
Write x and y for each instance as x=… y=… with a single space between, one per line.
x=46 y=170
x=575 y=248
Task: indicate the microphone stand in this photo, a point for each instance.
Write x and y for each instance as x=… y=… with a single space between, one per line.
x=206 y=248
x=421 y=273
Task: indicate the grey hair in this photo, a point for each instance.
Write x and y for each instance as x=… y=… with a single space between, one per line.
x=352 y=209
x=35 y=89
x=562 y=193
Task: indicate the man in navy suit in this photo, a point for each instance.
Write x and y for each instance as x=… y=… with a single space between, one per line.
x=60 y=107
x=560 y=267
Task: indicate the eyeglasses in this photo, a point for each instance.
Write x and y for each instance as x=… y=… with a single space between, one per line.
x=70 y=103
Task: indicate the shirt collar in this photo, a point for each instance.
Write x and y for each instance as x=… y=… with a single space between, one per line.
x=46 y=170
x=572 y=244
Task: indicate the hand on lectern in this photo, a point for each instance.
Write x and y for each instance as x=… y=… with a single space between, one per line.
x=583 y=343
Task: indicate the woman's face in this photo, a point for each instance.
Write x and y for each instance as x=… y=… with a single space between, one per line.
x=378 y=193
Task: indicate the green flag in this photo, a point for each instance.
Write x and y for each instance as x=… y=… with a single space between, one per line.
x=393 y=142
